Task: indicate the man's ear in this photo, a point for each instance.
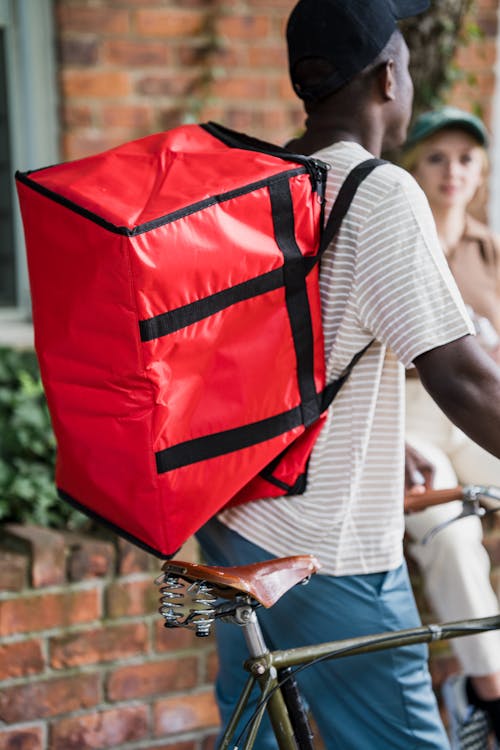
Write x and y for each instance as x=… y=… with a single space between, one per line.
x=387 y=81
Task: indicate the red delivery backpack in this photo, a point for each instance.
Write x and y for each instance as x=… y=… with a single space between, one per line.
x=177 y=321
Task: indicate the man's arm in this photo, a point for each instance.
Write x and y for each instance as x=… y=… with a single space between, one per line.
x=465 y=384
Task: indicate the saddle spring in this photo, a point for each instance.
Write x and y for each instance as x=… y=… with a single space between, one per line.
x=186 y=605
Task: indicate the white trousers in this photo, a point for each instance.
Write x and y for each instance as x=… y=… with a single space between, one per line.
x=454 y=564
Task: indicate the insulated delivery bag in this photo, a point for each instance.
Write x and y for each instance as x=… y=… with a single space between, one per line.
x=177 y=321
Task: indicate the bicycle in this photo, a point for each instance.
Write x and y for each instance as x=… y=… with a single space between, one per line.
x=194 y=596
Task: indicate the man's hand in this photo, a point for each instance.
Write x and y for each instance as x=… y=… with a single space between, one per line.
x=419 y=472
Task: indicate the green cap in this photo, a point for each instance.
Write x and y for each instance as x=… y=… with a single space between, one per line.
x=446 y=117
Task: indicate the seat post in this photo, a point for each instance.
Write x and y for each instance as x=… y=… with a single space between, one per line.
x=247 y=619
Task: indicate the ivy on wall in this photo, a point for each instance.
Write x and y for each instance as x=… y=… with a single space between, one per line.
x=27 y=447
x=433 y=40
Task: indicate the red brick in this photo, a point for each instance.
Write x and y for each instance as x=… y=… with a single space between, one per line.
x=77 y=145
x=107 y=729
x=88 y=558
x=174 y=639
x=273 y=121
x=95 y=83
x=20 y=659
x=76 y=115
x=101 y=645
x=128 y=116
x=185 y=713
x=266 y=56
x=248 y=27
x=211 y=666
x=45 y=549
x=287 y=94
x=131 y=598
x=84 y=18
x=76 y=50
x=242 y=87
x=169 y=23
x=173 y=84
x=240 y=119
x=171 y=117
x=153 y=678
x=36 y=612
x=193 y=52
x=476 y=57
x=27 y=738
x=135 y=53
x=133 y=559
x=40 y=699
x=13 y=571
x=211 y=111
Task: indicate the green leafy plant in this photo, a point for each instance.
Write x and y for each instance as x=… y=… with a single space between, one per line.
x=27 y=447
x=434 y=39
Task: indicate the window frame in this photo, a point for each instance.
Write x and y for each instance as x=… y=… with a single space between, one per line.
x=32 y=117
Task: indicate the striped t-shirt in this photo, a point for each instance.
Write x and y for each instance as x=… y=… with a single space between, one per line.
x=384 y=277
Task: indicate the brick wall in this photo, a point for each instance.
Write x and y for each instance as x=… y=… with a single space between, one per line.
x=475 y=84
x=85 y=662
x=131 y=67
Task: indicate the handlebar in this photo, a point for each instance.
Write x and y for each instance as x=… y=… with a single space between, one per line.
x=487 y=498
x=477 y=500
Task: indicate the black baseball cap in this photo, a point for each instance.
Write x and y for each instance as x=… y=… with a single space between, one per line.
x=349 y=34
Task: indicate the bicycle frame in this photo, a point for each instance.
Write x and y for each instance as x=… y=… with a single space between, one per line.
x=272 y=670
x=264 y=666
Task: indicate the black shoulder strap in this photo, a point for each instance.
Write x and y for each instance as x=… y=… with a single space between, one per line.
x=344 y=200
x=337 y=214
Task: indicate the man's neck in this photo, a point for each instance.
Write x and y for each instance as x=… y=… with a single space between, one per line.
x=322 y=132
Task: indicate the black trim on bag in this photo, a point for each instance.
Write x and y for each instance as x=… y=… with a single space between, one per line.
x=289 y=489
x=174 y=320
x=297 y=300
x=317 y=169
x=110 y=525
x=227 y=441
x=62 y=201
x=299 y=486
x=181 y=213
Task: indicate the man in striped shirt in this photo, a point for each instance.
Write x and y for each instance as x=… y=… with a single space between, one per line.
x=383 y=278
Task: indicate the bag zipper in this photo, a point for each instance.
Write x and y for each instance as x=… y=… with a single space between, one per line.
x=316 y=168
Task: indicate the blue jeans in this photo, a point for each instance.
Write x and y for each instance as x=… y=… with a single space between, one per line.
x=378 y=701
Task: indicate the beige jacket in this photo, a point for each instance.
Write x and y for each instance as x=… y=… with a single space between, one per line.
x=475 y=264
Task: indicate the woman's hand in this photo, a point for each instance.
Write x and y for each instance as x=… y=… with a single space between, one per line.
x=419 y=472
